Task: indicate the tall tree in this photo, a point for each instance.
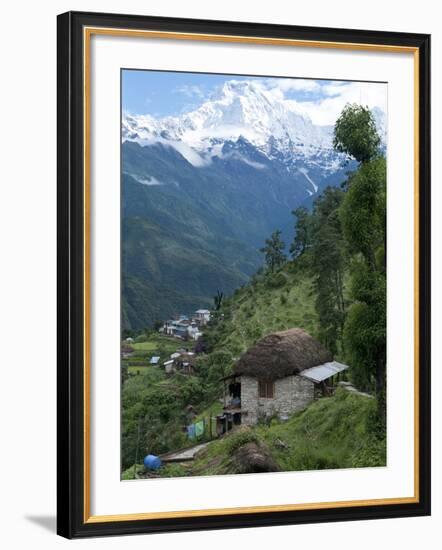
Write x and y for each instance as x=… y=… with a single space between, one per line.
x=274 y=251
x=355 y=133
x=302 y=232
x=327 y=264
x=218 y=300
x=364 y=226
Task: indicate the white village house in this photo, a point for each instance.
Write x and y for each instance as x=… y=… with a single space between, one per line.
x=185 y=328
x=168 y=366
x=279 y=375
x=202 y=316
x=182 y=361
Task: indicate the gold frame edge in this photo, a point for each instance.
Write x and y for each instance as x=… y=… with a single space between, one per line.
x=87 y=33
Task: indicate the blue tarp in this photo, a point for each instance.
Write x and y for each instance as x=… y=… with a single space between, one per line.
x=191 y=431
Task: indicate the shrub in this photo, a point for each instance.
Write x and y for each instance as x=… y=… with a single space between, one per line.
x=240 y=438
x=276 y=281
x=371 y=455
x=132 y=472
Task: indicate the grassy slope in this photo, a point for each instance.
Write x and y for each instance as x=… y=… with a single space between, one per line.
x=267 y=304
x=156 y=344
x=331 y=433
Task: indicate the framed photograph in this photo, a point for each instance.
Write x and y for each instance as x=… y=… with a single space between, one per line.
x=243 y=274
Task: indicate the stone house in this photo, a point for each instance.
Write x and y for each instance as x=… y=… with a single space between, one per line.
x=202 y=316
x=279 y=375
x=185 y=363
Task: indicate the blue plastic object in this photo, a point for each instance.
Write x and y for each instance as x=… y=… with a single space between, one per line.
x=152 y=462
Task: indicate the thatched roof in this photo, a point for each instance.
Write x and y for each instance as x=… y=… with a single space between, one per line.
x=281 y=354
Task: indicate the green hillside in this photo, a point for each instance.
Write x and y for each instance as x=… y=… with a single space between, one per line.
x=331 y=433
x=175 y=264
x=334 y=432
x=342 y=431
x=266 y=304
x=270 y=302
x=188 y=231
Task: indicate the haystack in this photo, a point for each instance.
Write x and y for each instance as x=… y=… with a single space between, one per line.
x=282 y=354
x=253 y=458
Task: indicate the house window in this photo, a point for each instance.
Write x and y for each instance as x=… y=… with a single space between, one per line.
x=266 y=389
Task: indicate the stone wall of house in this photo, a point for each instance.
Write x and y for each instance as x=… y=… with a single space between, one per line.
x=249 y=400
x=291 y=394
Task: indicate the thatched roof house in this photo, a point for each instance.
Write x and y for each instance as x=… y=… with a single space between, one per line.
x=282 y=354
x=278 y=375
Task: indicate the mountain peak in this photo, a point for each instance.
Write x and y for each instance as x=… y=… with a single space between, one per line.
x=244 y=108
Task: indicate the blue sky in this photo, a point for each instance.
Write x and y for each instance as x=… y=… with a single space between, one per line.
x=170 y=93
x=163 y=93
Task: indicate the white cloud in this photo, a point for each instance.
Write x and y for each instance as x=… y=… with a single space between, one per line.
x=294 y=84
x=148 y=180
x=190 y=91
x=237 y=156
x=332 y=89
x=326 y=99
x=325 y=110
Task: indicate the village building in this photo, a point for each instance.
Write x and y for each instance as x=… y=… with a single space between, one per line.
x=185 y=362
x=202 y=316
x=279 y=375
x=154 y=360
x=193 y=331
x=183 y=328
x=186 y=328
x=126 y=351
x=179 y=328
x=168 y=366
x=167 y=328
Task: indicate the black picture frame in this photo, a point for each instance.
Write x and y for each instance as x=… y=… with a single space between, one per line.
x=72 y=520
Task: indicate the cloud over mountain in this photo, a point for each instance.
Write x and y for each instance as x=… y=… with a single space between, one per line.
x=259 y=111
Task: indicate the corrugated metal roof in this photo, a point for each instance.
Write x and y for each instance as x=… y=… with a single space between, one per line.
x=322 y=372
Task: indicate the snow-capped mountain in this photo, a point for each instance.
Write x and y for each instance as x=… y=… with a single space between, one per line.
x=246 y=109
x=203 y=190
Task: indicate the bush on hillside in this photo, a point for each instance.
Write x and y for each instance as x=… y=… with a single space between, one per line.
x=276 y=280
